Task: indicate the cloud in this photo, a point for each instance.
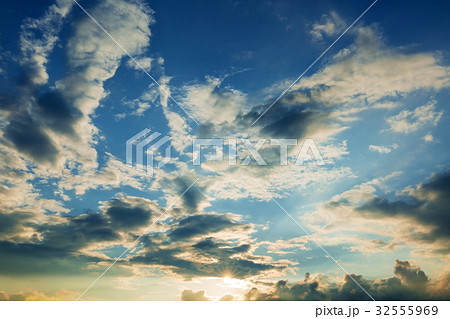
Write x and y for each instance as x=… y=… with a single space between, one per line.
x=56 y=113
x=61 y=240
x=416 y=216
x=409 y=274
x=48 y=135
x=29 y=131
x=194 y=199
x=428 y=207
x=50 y=129
x=14 y=225
x=199 y=245
x=189 y=295
x=369 y=75
x=37 y=39
x=329 y=25
x=53 y=126
x=114 y=173
x=295 y=116
x=35 y=295
x=126 y=215
x=227 y=297
x=282 y=291
x=428 y=137
x=211 y=102
x=24 y=128
x=409 y=121
x=243 y=56
x=409 y=283
x=288 y=118
x=30 y=139
x=208 y=257
x=146 y=63
x=17 y=194
x=151 y=95
x=382 y=149
x=196 y=225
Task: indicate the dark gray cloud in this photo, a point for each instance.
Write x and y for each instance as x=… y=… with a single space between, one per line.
x=29 y=138
x=209 y=258
x=409 y=283
x=295 y=115
x=203 y=224
x=30 y=116
x=227 y=297
x=57 y=113
x=12 y=223
x=77 y=232
x=283 y=291
x=36 y=295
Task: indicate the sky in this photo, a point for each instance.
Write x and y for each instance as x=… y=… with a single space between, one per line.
x=80 y=79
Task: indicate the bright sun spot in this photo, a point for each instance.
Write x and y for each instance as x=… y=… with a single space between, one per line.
x=234 y=283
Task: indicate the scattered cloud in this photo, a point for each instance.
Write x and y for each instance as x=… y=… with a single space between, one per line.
x=418 y=218
x=383 y=149
x=409 y=121
x=428 y=137
x=35 y=295
x=329 y=25
x=213 y=103
x=409 y=283
x=55 y=162
x=368 y=74
x=189 y=295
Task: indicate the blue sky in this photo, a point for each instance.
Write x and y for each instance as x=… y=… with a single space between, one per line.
x=376 y=105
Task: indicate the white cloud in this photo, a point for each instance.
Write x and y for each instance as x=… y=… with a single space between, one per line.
x=144 y=62
x=397 y=221
x=327 y=26
x=94 y=58
x=409 y=121
x=236 y=182
x=428 y=137
x=383 y=149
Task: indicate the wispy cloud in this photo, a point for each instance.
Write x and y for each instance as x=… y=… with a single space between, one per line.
x=383 y=149
x=409 y=121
